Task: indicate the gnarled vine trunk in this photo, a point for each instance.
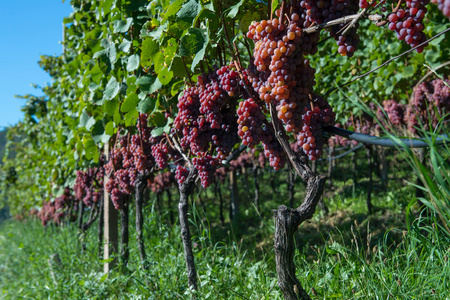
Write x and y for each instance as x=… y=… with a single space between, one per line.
x=169 y=204
x=219 y=193
x=124 y=233
x=287 y=219
x=370 y=170
x=185 y=190
x=256 y=180
x=330 y=168
x=139 y=200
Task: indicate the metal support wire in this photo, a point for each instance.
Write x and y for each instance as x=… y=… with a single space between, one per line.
x=385 y=142
x=343 y=154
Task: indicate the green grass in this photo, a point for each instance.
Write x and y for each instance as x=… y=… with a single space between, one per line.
x=345 y=262
x=393 y=254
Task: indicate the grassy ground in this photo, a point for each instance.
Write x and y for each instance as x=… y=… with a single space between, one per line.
x=347 y=254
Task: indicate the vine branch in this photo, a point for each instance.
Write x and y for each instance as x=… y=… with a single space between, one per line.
x=385 y=63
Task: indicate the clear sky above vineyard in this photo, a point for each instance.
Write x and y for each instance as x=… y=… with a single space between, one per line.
x=28 y=29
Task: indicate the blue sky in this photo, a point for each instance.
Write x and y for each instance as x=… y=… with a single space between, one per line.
x=29 y=29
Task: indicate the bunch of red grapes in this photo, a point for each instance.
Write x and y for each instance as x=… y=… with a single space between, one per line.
x=281 y=76
x=206 y=122
x=140 y=154
x=61 y=208
x=444 y=6
x=407 y=22
x=88 y=185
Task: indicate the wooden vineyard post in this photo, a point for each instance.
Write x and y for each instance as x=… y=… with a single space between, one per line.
x=110 y=221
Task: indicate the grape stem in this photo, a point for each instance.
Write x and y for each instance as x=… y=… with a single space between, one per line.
x=178 y=148
x=298 y=161
x=187 y=71
x=355 y=20
x=346 y=19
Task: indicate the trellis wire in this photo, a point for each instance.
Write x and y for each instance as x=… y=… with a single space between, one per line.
x=385 y=142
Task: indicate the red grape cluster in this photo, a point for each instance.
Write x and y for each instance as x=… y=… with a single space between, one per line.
x=88 y=185
x=395 y=112
x=162 y=182
x=251 y=120
x=206 y=167
x=136 y=155
x=160 y=152
x=407 y=23
x=430 y=103
x=206 y=120
x=323 y=11
x=444 y=6
x=310 y=138
x=181 y=174
x=117 y=195
x=273 y=150
x=61 y=208
x=279 y=73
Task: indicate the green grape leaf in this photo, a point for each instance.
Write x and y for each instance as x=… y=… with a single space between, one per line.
x=170 y=50
x=131 y=117
x=157 y=131
x=125 y=46
x=111 y=107
x=133 y=63
x=408 y=71
x=111 y=89
x=165 y=76
x=148 y=49
x=192 y=42
x=86 y=120
x=148 y=84
x=122 y=26
x=98 y=133
x=188 y=13
x=158 y=119
x=200 y=54
x=130 y=103
x=109 y=128
x=274 y=6
x=112 y=53
x=146 y=105
x=158 y=32
x=172 y=10
x=177 y=67
x=234 y=9
x=96 y=74
x=176 y=87
x=159 y=62
x=247 y=19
